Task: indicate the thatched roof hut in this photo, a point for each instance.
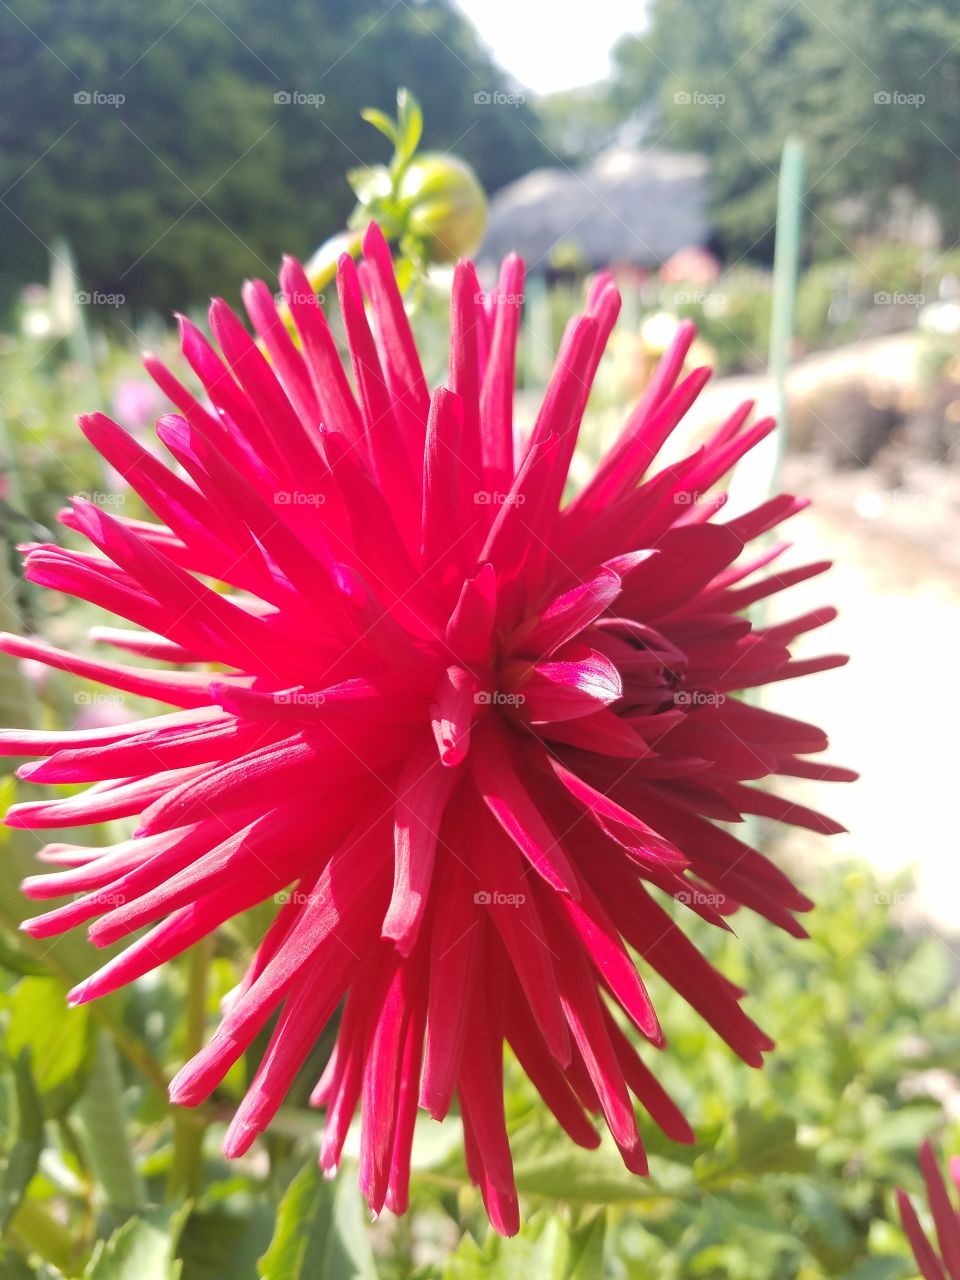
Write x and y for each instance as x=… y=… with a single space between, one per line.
x=630 y=206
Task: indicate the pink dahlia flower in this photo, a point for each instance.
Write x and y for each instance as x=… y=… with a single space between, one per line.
x=469 y=735
x=946 y=1221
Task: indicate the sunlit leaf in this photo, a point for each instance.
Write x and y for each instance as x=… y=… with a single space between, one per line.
x=59 y=1040
x=14 y=1266
x=16 y=957
x=544 y=1249
x=320 y=1232
x=409 y=127
x=755 y=1143
x=370 y=183
x=223 y=1242
x=142 y=1249
x=21 y=1136
x=380 y=120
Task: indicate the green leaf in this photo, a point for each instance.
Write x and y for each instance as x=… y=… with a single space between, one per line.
x=409 y=128
x=142 y=1249
x=544 y=1249
x=380 y=120
x=23 y=1124
x=59 y=1039
x=8 y=792
x=546 y=1166
x=882 y=1269
x=14 y=1266
x=320 y=1232
x=15 y=957
x=370 y=184
x=926 y=975
x=550 y=1256
x=224 y=1239
x=587 y=1249
x=70 y=958
x=561 y=1171
x=754 y=1143
x=568 y=1174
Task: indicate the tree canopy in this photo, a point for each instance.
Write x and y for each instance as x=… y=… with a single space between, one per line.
x=181 y=147
x=872 y=87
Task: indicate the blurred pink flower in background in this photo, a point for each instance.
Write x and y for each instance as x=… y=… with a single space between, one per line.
x=693 y=265
x=136 y=402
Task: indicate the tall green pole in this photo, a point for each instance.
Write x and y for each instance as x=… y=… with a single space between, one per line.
x=757 y=477
x=786 y=265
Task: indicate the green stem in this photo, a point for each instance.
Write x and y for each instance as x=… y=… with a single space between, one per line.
x=186 y=1172
x=322 y=268
x=199 y=973
x=786 y=269
x=104 y=1129
x=136 y=1053
x=189 y=1126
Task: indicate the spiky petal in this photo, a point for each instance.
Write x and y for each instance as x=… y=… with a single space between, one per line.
x=470 y=736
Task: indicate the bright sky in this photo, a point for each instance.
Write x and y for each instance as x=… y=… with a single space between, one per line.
x=553 y=44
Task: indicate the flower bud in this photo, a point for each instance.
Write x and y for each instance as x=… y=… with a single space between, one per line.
x=446 y=207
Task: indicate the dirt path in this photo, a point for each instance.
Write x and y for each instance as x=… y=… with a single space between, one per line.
x=890 y=361
x=893 y=712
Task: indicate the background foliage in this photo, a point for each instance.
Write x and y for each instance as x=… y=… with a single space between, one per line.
x=199 y=178
x=828 y=73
